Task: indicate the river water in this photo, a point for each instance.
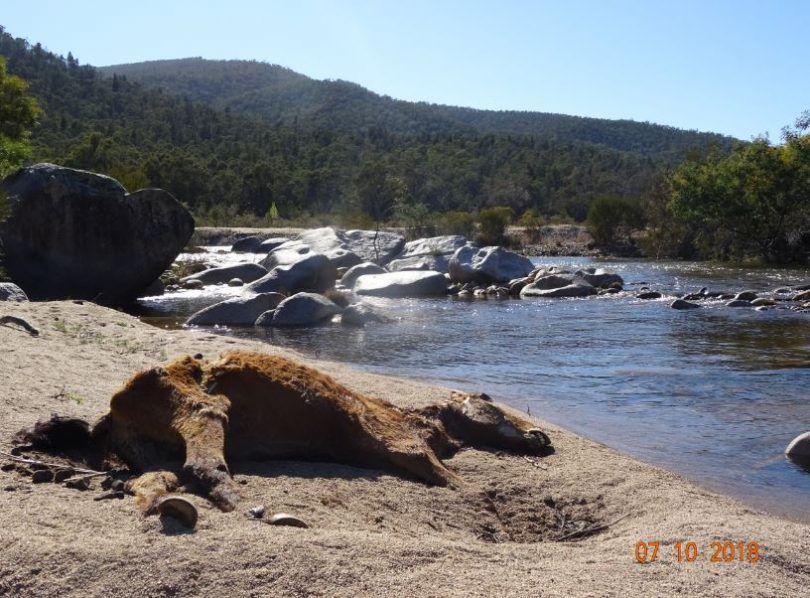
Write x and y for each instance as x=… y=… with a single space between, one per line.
x=714 y=394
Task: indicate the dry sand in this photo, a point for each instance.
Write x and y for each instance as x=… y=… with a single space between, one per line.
x=372 y=533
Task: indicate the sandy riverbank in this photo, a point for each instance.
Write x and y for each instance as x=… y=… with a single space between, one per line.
x=372 y=533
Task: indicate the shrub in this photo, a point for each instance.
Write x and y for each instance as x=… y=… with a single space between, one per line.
x=493 y=222
x=612 y=219
x=458 y=223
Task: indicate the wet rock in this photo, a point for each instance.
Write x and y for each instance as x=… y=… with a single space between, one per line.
x=649 y=295
x=518 y=284
x=803 y=296
x=313 y=272
x=155 y=289
x=799 y=448
x=360 y=314
x=763 y=302
x=683 y=304
x=572 y=290
x=11 y=292
x=738 y=303
x=746 y=295
x=601 y=278
x=269 y=245
x=487 y=264
x=73 y=233
x=355 y=272
x=408 y=283
x=239 y=311
x=246 y=272
x=193 y=284
x=555 y=281
x=247 y=245
x=302 y=309
x=236 y=282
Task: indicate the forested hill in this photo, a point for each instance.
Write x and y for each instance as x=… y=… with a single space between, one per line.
x=278 y=94
x=220 y=160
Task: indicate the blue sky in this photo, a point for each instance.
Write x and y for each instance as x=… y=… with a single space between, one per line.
x=737 y=67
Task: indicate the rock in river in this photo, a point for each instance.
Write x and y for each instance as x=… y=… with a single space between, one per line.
x=238 y=311
x=313 y=272
x=799 y=448
x=487 y=265
x=73 y=233
x=302 y=309
x=355 y=272
x=408 y=283
x=245 y=272
x=683 y=304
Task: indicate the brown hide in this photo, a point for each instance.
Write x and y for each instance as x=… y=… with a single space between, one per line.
x=185 y=421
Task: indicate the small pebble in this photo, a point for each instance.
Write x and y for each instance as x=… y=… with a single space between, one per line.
x=80 y=484
x=8 y=467
x=257 y=512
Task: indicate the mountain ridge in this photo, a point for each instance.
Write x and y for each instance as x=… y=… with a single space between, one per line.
x=278 y=94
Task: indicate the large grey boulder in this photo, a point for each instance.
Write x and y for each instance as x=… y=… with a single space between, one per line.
x=329 y=241
x=409 y=283
x=432 y=253
x=487 y=265
x=223 y=274
x=302 y=309
x=353 y=273
x=287 y=253
x=571 y=290
x=238 y=311
x=551 y=282
x=73 y=233
x=314 y=272
x=11 y=292
x=374 y=246
x=799 y=448
x=600 y=278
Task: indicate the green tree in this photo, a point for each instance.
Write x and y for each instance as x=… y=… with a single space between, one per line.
x=493 y=222
x=612 y=219
x=755 y=201
x=18 y=115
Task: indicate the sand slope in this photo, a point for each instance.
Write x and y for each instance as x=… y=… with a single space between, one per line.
x=372 y=534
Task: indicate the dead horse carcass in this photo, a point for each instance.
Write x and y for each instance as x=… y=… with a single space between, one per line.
x=188 y=419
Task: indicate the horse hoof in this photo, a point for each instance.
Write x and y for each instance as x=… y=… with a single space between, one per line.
x=179 y=508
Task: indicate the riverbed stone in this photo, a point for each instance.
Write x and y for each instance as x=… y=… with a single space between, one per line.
x=487 y=264
x=270 y=244
x=799 y=447
x=431 y=253
x=601 y=278
x=738 y=303
x=78 y=234
x=237 y=311
x=314 y=272
x=746 y=295
x=360 y=314
x=247 y=245
x=355 y=272
x=193 y=284
x=683 y=304
x=803 y=296
x=647 y=295
x=408 y=283
x=763 y=302
x=301 y=309
x=571 y=290
x=11 y=292
x=246 y=272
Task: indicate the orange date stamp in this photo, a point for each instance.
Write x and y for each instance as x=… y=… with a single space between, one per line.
x=689 y=552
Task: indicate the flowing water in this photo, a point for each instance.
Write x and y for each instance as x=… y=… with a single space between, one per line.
x=714 y=393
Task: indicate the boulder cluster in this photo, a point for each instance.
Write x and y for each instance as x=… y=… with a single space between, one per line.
x=325 y=273
x=795 y=298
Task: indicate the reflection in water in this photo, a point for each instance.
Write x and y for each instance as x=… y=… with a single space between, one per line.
x=715 y=393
